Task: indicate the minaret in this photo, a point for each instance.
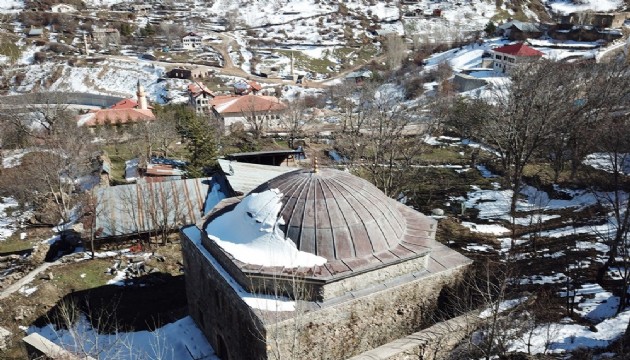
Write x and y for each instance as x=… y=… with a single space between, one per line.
x=142 y=98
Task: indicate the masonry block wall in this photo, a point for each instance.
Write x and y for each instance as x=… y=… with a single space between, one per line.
x=339 y=331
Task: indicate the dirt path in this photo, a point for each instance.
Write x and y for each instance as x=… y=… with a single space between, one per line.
x=26 y=279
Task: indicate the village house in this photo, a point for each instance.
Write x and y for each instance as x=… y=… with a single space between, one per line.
x=141 y=9
x=63 y=8
x=596 y=19
x=358 y=77
x=246 y=87
x=191 y=41
x=336 y=256
x=200 y=97
x=507 y=57
x=564 y=32
x=124 y=112
x=518 y=30
x=235 y=109
x=188 y=72
x=35 y=32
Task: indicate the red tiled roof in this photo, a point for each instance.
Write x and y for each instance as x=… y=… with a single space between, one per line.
x=246 y=104
x=255 y=86
x=162 y=170
x=197 y=89
x=125 y=104
x=114 y=116
x=519 y=49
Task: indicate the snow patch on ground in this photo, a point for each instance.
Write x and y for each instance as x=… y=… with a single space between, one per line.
x=567 y=336
x=486 y=228
x=10 y=6
x=179 y=340
x=503 y=306
x=566 y=6
x=8 y=224
x=609 y=162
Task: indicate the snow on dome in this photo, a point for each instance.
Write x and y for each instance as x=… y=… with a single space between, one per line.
x=251 y=233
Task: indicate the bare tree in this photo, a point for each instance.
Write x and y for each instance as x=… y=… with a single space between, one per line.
x=395 y=50
x=521 y=118
x=379 y=139
x=295 y=119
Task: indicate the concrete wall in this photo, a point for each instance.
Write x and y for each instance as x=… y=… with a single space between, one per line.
x=464 y=82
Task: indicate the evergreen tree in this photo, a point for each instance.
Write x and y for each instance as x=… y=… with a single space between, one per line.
x=200 y=141
x=490 y=28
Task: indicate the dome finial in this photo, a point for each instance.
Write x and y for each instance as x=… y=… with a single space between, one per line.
x=315 y=165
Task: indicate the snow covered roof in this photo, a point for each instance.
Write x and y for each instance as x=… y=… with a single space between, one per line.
x=359 y=74
x=523 y=26
x=329 y=223
x=519 y=49
x=246 y=104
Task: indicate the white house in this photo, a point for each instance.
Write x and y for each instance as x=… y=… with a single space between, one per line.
x=243 y=109
x=63 y=8
x=508 y=56
x=200 y=97
x=191 y=41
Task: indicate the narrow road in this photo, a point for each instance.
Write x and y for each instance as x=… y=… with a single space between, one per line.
x=611 y=52
x=26 y=279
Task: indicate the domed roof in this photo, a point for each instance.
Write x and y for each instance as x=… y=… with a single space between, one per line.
x=336 y=215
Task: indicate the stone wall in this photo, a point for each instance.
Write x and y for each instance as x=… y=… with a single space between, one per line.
x=336 y=329
x=339 y=331
x=433 y=343
x=230 y=325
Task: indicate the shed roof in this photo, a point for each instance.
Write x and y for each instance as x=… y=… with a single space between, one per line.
x=143 y=207
x=35 y=31
x=522 y=26
x=244 y=177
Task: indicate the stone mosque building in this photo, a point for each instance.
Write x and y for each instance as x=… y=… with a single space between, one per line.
x=313 y=264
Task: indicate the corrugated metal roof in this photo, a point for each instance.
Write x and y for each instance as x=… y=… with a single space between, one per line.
x=244 y=177
x=523 y=26
x=143 y=207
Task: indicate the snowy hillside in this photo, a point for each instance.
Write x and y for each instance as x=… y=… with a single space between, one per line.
x=569 y=6
x=112 y=77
